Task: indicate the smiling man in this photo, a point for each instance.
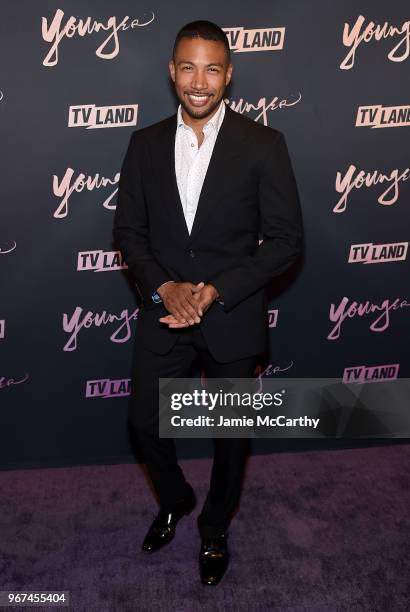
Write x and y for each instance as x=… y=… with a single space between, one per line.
x=196 y=191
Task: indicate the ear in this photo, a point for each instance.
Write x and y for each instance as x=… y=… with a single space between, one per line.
x=228 y=74
x=171 y=66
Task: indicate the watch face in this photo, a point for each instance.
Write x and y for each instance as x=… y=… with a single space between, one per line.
x=156 y=297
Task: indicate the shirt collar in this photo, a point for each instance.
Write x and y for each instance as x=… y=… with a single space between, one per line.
x=214 y=122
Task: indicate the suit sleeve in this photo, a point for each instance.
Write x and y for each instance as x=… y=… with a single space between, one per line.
x=131 y=231
x=281 y=226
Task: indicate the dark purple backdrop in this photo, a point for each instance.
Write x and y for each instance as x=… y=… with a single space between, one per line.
x=45 y=417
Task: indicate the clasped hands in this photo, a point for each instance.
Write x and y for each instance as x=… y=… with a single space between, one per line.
x=186 y=302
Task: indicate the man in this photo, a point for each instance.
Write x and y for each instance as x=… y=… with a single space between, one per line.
x=196 y=191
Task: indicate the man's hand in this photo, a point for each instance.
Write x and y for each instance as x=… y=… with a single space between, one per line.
x=178 y=299
x=202 y=298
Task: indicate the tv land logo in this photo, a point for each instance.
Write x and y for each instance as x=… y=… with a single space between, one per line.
x=242 y=40
x=369 y=374
x=81 y=320
x=273 y=317
x=106 y=388
x=69 y=183
x=378 y=116
x=2 y=328
x=359 y=32
x=369 y=253
x=100 y=261
x=56 y=31
x=356 y=180
x=339 y=314
x=93 y=117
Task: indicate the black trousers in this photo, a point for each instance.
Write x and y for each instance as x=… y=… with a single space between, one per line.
x=159 y=454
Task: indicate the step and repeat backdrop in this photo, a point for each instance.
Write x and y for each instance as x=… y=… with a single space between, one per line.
x=76 y=79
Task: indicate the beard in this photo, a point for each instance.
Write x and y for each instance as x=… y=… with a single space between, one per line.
x=200 y=113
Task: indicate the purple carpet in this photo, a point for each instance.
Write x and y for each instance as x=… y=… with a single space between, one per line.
x=315 y=531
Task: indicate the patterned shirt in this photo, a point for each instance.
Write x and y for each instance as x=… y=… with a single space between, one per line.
x=191 y=160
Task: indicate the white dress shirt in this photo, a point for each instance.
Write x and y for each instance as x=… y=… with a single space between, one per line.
x=191 y=160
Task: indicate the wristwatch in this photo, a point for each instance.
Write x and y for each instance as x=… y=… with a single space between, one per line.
x=156 y=298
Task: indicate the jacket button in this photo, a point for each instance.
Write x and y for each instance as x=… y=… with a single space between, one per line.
x=191 y=253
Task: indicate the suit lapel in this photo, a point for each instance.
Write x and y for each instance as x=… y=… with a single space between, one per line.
x=225 y=149
x=165 y=162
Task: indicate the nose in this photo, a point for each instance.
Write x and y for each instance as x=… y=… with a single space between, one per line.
x=199 y=81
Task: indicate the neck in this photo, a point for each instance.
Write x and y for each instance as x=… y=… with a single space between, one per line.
x=197 y=124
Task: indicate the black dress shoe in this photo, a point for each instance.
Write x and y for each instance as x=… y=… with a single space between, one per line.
x=213 y=559
x=163 y=527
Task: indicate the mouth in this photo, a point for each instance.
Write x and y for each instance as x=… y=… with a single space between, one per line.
x=198 y=99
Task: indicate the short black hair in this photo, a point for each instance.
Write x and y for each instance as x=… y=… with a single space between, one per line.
x=203 y=29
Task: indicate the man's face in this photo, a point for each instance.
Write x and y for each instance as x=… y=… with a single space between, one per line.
x=201 y=72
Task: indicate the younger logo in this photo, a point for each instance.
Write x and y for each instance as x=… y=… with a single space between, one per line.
x=64 y=187
x=262 y=107
x=339 y=313
x=93 y=117
x=100 y=261
x=359 y=32
x=55 y=31
x=7 y=247
x=378 y=253
x=10 y=382
x=81 y=319
x=352 y=180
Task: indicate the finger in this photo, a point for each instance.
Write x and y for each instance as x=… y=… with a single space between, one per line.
x=168 y=319
x=198 y=287
x=179 y=314
x=192 y=308
x=189 y=318
x=195 y=301
x=188 y=313
x=174 y=313
x=202 y=302
x=178 y=325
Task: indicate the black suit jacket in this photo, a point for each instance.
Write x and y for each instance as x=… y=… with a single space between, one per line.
x=249 y=189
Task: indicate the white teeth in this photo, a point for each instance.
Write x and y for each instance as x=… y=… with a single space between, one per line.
x=199 y=98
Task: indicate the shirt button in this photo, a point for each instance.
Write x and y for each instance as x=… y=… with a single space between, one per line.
x=192 y=144
x=191 y=253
